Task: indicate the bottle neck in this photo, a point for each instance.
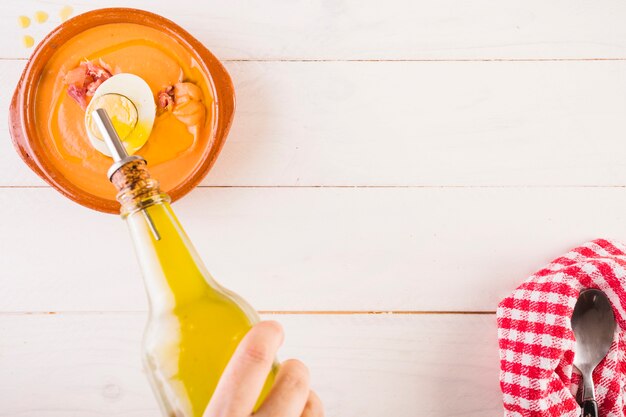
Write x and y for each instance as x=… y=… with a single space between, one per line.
x=136 y=189
x=173 y=272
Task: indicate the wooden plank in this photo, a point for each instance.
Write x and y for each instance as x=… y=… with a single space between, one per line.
x=411 y=123
x=367 y=29
x=288 y=249
x=361 y=365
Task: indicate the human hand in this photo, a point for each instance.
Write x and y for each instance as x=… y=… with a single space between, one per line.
x=243 y=379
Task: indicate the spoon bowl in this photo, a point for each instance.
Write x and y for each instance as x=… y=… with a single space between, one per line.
x=594 y=326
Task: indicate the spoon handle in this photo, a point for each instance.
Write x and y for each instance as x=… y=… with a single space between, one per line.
x=590 y=409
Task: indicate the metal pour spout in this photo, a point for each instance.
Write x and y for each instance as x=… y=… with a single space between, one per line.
x=119 y=155
x=113 y=142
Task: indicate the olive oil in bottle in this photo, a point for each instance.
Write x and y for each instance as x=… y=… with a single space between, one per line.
x=194 y=324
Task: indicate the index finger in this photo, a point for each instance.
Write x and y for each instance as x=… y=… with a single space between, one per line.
x=243 y=379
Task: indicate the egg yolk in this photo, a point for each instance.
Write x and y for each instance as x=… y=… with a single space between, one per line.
x=121 y=111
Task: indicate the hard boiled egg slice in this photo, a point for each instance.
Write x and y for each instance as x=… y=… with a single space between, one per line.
x=129 y=102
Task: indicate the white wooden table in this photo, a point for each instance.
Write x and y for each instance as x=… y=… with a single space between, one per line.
x=395 y=169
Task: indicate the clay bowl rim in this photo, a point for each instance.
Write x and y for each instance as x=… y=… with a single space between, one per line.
x=22 y=119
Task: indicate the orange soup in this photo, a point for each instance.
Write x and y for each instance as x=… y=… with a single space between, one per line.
x=173 y=150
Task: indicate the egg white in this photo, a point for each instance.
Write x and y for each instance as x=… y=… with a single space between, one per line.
x=135 y=89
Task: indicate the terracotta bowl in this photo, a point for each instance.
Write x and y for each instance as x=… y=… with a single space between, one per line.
x=22 y=110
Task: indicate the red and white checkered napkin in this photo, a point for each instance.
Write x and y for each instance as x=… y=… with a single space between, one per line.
x=537 y=343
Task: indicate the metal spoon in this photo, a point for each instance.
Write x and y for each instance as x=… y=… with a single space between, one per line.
x=594 y=326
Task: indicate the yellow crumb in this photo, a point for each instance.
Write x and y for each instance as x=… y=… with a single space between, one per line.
x=65 y=13
x=41 y=17
x=28 y=41
x=23 y=21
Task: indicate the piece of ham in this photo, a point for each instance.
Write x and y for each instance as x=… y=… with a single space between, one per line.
x=79 y=94
x=93 y=86
x=165 y=98
x=83 y=80
x=99 y=71
x=184 y=99
x=76 y=76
